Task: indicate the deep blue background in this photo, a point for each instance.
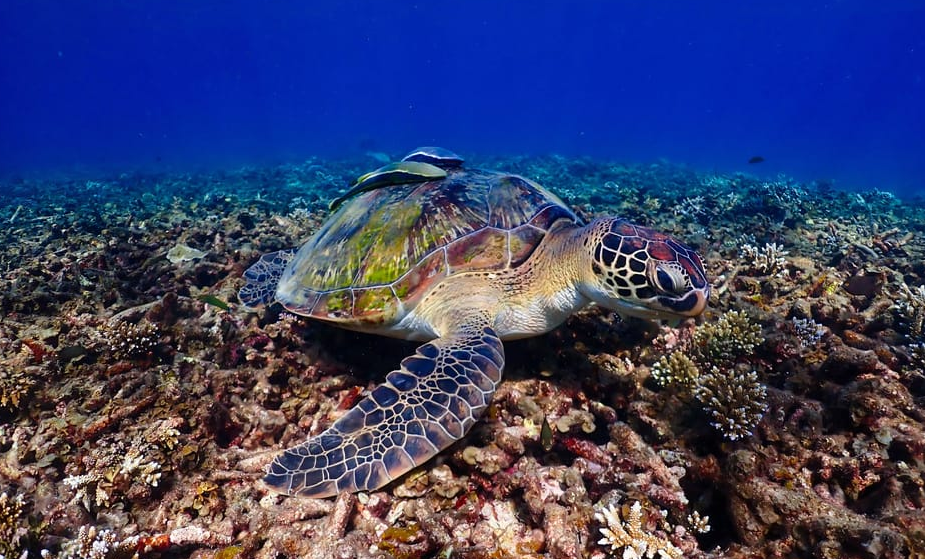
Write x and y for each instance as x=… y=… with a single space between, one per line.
x=820 y=89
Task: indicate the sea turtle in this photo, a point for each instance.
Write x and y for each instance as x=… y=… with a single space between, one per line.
x=462 y=259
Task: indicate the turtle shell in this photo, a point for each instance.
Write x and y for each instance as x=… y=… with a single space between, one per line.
x=381 y=251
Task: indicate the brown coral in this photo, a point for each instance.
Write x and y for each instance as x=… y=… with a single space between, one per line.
x=734 y=398
x=126 y=340
x=12 y=526
x=727 y=339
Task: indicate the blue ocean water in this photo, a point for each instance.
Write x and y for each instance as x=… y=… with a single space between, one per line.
x=820 y=90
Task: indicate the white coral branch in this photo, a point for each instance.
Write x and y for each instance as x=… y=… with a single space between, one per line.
x=629 y=535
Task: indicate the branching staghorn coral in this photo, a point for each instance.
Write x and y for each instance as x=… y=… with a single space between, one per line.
x=15 y=385
x=676 y=369
x=690 y=207
x=910 y=311
x=734 y=398
x=630 y=535
x=115 y=467
x=131 y=341
x=784 y=193
x=807 y=330
x=12 y=530
x=18 y=374
x=725 y=340
x=917 y=353
x=769 y=260
x=916 y=366
x=91 y=543
x=699 y=523
x=706 y=368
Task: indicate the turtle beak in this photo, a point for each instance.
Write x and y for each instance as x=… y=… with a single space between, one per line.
x=692 y=303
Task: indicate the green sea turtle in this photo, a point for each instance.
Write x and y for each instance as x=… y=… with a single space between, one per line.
x=462 y=259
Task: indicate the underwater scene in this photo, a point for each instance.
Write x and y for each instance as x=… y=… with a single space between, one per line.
x=462 y=280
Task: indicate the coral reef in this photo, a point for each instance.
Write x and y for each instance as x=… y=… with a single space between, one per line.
x=91 y=543
x=729 y=392
x=12 y=531
x=808 y=331
x=676 y=369
x=15 y=385
x=769 y=260
x=125 y=340
x=630 y=535
x=910 y=308
x=735 y=399
x=139 y=403
x=724 y=341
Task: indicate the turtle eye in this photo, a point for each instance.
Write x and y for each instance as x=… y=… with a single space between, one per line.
x=670 y=280
x=664 y=280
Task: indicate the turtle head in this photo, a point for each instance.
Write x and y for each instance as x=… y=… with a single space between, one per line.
x=636 y=271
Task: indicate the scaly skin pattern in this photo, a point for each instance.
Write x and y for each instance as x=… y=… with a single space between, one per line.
x=624 y=267
x=436 y=395
x=462 y=264
x=430 y=402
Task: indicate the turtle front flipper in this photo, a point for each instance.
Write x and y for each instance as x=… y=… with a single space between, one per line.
x=263 y=277
x=425 y=406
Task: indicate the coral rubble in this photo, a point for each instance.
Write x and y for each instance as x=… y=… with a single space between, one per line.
x=139 y=402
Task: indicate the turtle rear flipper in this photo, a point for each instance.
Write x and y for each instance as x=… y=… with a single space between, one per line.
x=263 y=277
x=425 y=406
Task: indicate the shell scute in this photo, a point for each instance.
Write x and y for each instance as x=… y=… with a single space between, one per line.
x=384 y=248
x=422 y=276
x=374 y=303
x=630 y=245
x=513 y=200
x=302 y=301
x=483 y=250
x=522 y=242
x=551 y=214
x=334 y=304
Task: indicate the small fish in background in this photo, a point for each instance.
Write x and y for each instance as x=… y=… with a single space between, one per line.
x=546 y=435
x=379 y=156
x=214 y=301
x=755 y=159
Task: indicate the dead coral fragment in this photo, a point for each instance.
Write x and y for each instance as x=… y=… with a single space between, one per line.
x=574 y=421
x=394 y=537
x=735 y=399
x=631 y=537
x=183 y=253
